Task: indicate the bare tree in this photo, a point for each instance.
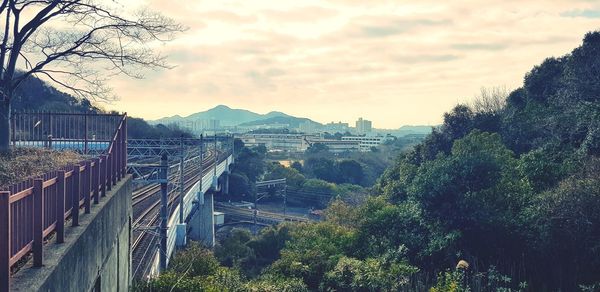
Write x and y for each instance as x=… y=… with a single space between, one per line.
x=490 y=100
x=70 y=42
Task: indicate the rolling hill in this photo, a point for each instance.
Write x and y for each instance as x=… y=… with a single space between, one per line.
x=236 y=117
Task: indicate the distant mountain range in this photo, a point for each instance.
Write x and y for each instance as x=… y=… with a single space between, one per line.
x=237 y=117
x=293 y=122
x=407 y=130
x=244 y=118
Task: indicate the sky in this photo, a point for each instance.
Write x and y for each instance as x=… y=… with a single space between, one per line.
x=393 y=62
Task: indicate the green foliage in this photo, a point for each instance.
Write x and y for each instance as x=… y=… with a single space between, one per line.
x=250 y=162
x=171 y=281
x=240 y=186
x=372 y=274
x=321 y=168
x=312 y=250
x=276 y=171
x=250 y=253
x=513 y=180
x=194 y=261
x=297 y=166
x=270 y=283
x=350 y=171
x=450 y=282
x=233 y=251
x=317 y=148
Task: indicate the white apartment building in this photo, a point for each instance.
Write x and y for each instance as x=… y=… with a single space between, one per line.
x=283 y=142
x=366 y=142
x=363 y=126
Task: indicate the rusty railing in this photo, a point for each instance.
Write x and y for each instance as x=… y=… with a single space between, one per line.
x=34 y=209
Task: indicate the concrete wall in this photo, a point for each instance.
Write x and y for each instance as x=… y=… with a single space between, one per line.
x=95 y=255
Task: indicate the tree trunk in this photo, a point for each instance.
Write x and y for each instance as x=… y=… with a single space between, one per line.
x=5 y=126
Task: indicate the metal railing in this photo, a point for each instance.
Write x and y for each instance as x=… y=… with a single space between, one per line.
x=87 y=133
x=33 y=209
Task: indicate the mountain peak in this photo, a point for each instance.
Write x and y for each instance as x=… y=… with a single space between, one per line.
x=220 y=107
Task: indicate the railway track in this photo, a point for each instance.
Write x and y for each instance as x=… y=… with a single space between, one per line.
x=146 y=212
x=245 y=214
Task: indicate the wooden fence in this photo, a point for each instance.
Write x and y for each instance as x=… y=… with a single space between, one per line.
x=32 y=210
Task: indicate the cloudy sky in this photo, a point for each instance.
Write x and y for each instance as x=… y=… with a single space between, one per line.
x=393 y=62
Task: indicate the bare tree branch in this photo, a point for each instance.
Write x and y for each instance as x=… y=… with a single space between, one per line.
x=99 y=39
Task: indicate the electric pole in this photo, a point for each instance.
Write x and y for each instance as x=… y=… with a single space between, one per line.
x=164 y=212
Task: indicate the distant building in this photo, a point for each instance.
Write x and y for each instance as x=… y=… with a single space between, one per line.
x=307 y=127
x=366 y=142
x=363 y=126
x=199 y=126
x=338 y=146
x=338 y=127
x=281 y=142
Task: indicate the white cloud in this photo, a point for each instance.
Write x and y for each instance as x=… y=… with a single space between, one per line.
x=394 y=62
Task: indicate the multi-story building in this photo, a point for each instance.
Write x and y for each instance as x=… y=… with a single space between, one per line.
x=338 y=127
x=363 y=126
x=366 y=142
x=283 y=142
x=307 y=127
x=199 y=126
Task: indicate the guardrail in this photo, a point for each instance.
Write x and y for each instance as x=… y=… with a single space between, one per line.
x=88 y=133
x=33 y=209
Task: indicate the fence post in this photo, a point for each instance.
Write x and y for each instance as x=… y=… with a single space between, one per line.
x=114 y=168
x=109 y=173
x=60 y=207
x=125 y=145
x=103 y=169
x=75 y=197
x=38 y=221
x=5 y=249
x=96 y=180
x=85 y=133
x=117 y=149
x=87 y=197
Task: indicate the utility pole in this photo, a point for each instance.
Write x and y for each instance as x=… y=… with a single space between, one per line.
x=181 y=179
x=200 y=195
x=284 y=198
x=255 y=230
x=216 y=154
x=164 y=168
x=201 y=159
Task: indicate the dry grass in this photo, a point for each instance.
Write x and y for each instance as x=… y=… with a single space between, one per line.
x=23 y=163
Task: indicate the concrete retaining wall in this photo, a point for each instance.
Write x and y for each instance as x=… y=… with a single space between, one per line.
x=95 y=255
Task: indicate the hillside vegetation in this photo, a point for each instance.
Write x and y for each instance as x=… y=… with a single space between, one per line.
x=515 y=186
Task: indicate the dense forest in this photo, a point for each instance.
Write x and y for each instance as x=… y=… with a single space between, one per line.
x=35 y=95
x=504 y=196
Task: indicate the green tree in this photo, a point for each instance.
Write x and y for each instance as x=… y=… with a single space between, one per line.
x=317 y=148
x=373 y=274
x=350 y=171
x=193 y=261
x=312 y=250
x=250 y=163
